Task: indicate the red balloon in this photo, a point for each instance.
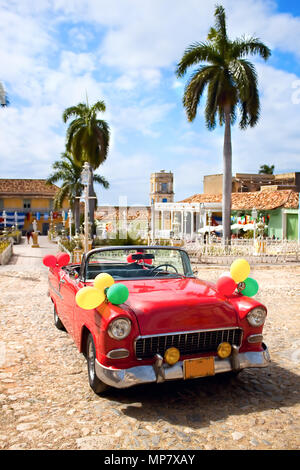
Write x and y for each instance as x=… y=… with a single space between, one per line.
x=62 y=259
x=49 y=261
x=226 y=285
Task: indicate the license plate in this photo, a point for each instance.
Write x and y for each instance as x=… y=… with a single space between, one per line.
x=200 y=367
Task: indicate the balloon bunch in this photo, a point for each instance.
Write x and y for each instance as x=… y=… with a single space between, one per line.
x=60 y=260
x=238 y=279
x=90 y=297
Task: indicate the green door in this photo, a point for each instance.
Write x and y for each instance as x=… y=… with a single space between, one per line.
x=292 y=226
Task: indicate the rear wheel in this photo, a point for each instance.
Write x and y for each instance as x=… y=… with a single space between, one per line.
x=57 y=321
x=95 y=383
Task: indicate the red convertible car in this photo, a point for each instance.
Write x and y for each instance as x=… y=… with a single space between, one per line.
x=172 y=326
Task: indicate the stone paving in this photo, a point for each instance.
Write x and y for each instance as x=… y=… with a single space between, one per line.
x=46 y=402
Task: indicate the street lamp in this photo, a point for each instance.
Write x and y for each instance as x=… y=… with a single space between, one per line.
x=209 y=215
x=254 y=217
x=70 y=223
x=16 y=220
x=85 y=180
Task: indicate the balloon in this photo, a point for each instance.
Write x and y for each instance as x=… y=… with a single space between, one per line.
x=251 y=287
x=89 y=297
x=103 y=281
x=49 y=261
x=117 y=294
x=226 y=285
x=63 y=259
x=240 y=270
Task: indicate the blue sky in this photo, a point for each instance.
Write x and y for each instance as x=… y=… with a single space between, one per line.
x=54 y=52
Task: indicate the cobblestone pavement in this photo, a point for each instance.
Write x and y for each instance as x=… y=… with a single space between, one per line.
x=46 y=402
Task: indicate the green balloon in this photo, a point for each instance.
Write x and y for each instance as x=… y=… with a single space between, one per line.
x=117 y=294
x=251 y=287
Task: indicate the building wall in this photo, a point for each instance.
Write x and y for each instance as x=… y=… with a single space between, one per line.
x=161 y=187
x=275 y=228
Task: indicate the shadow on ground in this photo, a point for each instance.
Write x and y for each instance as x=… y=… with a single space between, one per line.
x=197 y=402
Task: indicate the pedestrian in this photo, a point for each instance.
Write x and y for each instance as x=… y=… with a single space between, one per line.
x=28 y=235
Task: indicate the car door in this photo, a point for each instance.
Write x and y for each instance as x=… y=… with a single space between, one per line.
x=67 y=289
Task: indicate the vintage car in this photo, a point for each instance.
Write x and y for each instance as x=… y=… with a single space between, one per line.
x=172 y=326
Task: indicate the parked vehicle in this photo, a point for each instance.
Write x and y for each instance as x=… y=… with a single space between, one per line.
x=172 y=326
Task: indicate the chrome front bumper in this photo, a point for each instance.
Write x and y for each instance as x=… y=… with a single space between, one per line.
x=161 y=372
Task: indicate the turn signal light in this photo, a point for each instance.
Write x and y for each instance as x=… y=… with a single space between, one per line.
x=224 y=350
x=172 y=356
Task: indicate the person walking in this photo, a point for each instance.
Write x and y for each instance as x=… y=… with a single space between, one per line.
x=28 y=235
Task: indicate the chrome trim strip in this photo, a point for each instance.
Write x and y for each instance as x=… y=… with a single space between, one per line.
x=160 y=372
x=55 y=290
x=124 y=352
x=190 y=332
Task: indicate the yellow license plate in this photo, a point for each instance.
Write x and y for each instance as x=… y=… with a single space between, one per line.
x=200 y=367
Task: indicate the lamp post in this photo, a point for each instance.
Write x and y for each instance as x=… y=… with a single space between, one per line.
x=70 y=223
x=16 y=220
x=209 y=215
x=254 y=216
x=4 y=219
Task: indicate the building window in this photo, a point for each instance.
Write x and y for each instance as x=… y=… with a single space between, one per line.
x=164 y=187
x=164 y=199
x=1 y=204
x=26 y=204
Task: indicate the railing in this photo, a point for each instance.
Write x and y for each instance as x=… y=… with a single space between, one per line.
x=263 y=251
x=63 y=248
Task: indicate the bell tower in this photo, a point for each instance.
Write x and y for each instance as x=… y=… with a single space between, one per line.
x=161 y=187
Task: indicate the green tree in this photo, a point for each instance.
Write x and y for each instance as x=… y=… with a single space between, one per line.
x=87 y=139
x=266 y=169
x=68 y=172
x=231 y=83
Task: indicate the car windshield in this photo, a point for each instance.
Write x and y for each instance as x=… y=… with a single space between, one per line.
x=138 y=263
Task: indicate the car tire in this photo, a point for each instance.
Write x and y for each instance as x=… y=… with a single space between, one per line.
x=57 y=322
x=96 y=384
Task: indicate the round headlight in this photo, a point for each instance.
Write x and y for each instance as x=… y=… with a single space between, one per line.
x=256 y=317
x=119 y=328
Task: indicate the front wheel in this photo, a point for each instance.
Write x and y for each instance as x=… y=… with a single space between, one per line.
x=95 y=383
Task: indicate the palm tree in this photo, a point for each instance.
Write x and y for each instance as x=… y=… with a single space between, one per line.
x=231 y=82
x=69 y=172
x=87 y=139
x=266 y=169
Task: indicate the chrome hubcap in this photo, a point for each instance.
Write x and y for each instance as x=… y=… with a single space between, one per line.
x=91 y=358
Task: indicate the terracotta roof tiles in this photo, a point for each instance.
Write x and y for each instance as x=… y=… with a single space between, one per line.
x=262 y=200
x=27 y=187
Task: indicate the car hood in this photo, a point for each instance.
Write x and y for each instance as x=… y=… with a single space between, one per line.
x=167 y=305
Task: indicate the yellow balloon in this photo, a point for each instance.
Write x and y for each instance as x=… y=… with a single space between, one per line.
x=89 y=297
x=103 y=281
x=240 y=270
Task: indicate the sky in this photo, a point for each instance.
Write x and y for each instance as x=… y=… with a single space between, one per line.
x=56 y=53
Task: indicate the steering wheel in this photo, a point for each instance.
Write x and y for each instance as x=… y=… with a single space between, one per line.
x=164 y=264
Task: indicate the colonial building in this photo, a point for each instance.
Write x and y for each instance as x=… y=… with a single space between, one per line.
x=25 y=200
x=245 y=182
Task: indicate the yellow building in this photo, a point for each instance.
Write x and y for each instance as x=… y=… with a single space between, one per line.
x=26 y=200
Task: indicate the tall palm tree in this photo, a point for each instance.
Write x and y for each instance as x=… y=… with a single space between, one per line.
x=231 y=82
x=69 y=172
x=266 y=169
x=88 y=139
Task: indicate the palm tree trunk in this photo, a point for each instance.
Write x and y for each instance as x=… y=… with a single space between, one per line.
x=77 y=214
x=227 y=178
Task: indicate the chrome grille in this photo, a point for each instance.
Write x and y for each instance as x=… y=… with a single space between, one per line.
x=187 y=343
